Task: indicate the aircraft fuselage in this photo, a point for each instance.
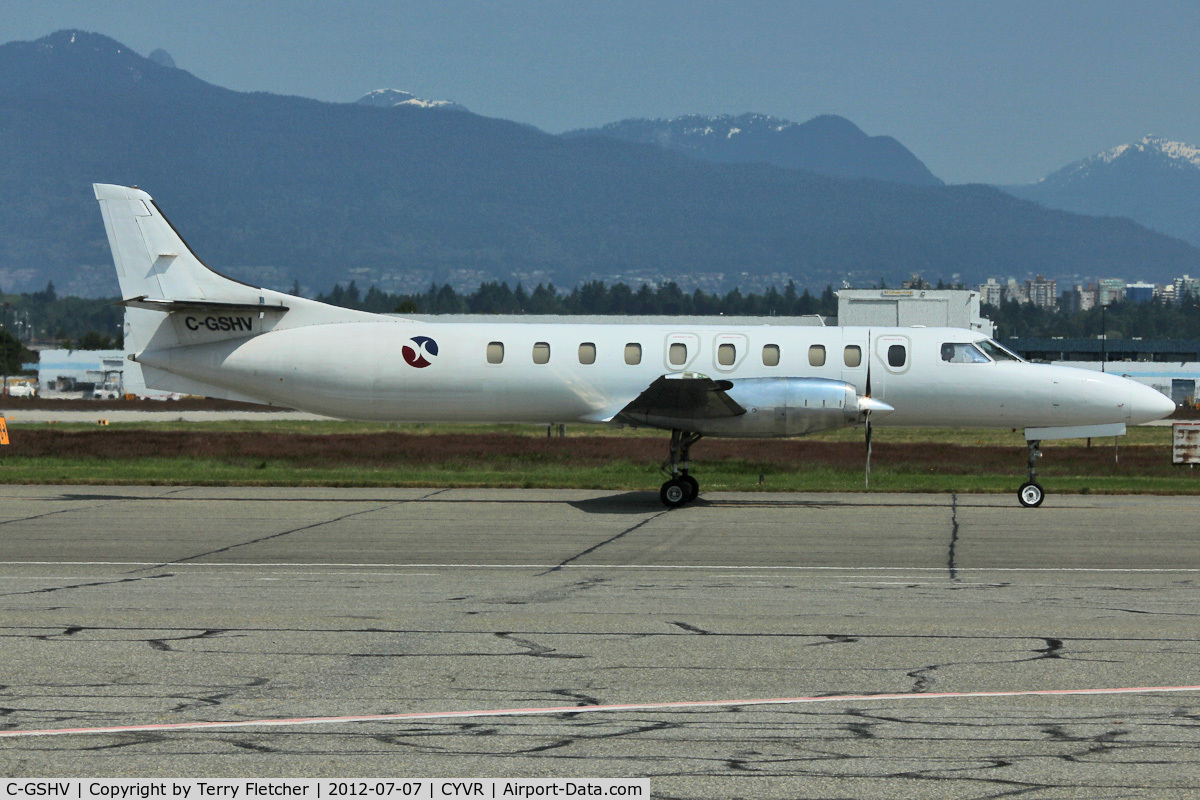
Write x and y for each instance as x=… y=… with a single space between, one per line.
x=405 y=371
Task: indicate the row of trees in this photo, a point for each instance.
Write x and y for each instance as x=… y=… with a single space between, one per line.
x=1150 y=320
x=594 y=297
x=96 y=324
x=81 y=323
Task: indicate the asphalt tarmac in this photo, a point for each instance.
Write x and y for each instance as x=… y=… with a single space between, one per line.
x=166 y=606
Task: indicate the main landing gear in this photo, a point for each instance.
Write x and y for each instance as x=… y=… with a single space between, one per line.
x=682 y=488
x=1031 y=494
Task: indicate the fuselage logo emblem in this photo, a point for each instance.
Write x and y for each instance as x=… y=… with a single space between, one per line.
x=416 y=356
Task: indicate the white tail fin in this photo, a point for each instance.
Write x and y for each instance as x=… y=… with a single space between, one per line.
x=152 y=260
x=172 y=300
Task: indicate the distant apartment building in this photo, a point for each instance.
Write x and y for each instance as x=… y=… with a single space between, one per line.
x=1016 y=292
x=1186 y=285
x=991 y=293
x=1109 y=291
x=1042 y=292
x=1077 y=298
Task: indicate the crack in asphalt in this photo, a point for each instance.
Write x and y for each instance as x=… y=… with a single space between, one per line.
x=922 y=679
x=161 y=644
x=607 y=541
x=90 y=584
x=534 y=649
x=308 y=527
x=953 y=537
x=109 y=500
x=20 y=631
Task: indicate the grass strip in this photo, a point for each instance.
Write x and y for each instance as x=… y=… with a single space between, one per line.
x=511 y=456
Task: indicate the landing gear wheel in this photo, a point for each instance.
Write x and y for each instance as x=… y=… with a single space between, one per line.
x=674 y=493
x=1031 y=494
x=693 y=487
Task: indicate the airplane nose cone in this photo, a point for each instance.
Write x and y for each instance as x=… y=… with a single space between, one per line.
x=1147 y=404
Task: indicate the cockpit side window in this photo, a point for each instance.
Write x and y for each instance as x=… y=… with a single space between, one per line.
x=997 y=352
x=962 y=353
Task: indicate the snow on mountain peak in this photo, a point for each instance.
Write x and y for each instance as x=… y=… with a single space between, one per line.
x=1174 y=154
x=1177 y=151
x=389 y=98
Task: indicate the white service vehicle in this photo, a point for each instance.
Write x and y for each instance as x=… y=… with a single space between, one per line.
x=195 y=331
x=22 y=389
x=110 y=390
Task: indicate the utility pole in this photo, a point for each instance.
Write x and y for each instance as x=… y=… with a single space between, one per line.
x=4 y=345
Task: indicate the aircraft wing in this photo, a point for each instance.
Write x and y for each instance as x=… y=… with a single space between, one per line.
x=684 y=397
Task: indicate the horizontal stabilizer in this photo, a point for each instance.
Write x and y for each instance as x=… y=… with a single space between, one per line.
x=155 y=304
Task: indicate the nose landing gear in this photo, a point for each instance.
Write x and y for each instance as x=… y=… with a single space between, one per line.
x=682 y=488
x=1031 y=494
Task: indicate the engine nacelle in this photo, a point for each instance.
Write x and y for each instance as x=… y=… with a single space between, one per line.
x=778 y=407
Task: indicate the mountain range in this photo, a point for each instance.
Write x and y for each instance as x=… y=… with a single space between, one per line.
x=829 y=145
x=1153 y=181
x=274 y=188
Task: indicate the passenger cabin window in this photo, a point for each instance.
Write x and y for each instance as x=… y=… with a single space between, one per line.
x=852 y=355
x=816 y=355
x=677 y=355
x=897 y=355
x=541 y=353
x=495 y=352
x=587 y=353
x=633 y=353
x=770 y=355
x=962 y=353
x=726 y=355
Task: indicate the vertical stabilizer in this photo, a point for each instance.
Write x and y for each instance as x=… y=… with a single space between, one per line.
x=152 y=260
x=174 y=303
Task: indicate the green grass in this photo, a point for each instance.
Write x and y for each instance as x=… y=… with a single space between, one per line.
x=1140 y=435
x=717 y=475
x=964 y=470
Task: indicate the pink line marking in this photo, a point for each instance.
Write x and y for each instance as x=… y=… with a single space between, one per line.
x=520 y=712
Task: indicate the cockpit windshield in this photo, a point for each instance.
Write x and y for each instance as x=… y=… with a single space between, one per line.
x=997 y=352
x=962 y=353
x=983 y=351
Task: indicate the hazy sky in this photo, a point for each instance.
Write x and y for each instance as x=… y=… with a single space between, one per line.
x=998 y=92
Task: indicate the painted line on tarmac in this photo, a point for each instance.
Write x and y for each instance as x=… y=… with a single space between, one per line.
x=711 y=567
x=527 y=712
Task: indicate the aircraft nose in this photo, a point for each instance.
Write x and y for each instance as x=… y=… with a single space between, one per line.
x=1147 y=404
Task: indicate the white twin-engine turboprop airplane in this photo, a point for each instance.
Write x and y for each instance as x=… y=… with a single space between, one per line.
x=197 y=332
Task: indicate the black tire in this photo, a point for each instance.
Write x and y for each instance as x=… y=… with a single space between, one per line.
x=674 y=493
x=1031 y=494
x=693 y=487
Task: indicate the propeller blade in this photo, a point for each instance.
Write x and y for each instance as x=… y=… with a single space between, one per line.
x=867 y=482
